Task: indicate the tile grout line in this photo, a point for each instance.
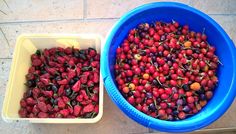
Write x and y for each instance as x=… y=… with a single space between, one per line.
x=5 y=58
x=60 y=20
x=4 y=35
x=85 y=19
x=222 y=14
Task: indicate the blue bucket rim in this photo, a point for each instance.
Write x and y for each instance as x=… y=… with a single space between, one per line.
x=166 y=126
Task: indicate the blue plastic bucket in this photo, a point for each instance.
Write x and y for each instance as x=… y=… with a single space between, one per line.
x=197 y=21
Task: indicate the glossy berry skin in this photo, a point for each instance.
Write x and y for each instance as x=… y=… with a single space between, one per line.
x=166 y=70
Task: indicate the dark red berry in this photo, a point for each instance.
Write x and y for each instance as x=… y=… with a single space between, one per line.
x=182 y=115
x=190 y=99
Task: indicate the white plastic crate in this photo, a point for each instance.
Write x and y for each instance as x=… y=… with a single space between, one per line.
x=26 y=45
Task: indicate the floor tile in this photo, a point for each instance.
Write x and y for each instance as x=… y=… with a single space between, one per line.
x=228 y=24
x=114 y=9
x=32 y=10
x=215 y=6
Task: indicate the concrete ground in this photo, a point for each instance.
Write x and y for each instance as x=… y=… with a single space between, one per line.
x=92 y=16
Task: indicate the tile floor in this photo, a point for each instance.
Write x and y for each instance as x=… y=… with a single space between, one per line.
x=93 y=16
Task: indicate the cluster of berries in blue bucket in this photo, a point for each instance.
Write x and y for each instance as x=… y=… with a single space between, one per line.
x=166 y=70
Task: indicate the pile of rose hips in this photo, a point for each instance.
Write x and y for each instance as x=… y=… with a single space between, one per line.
x=165 y=70
x=62 y=83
